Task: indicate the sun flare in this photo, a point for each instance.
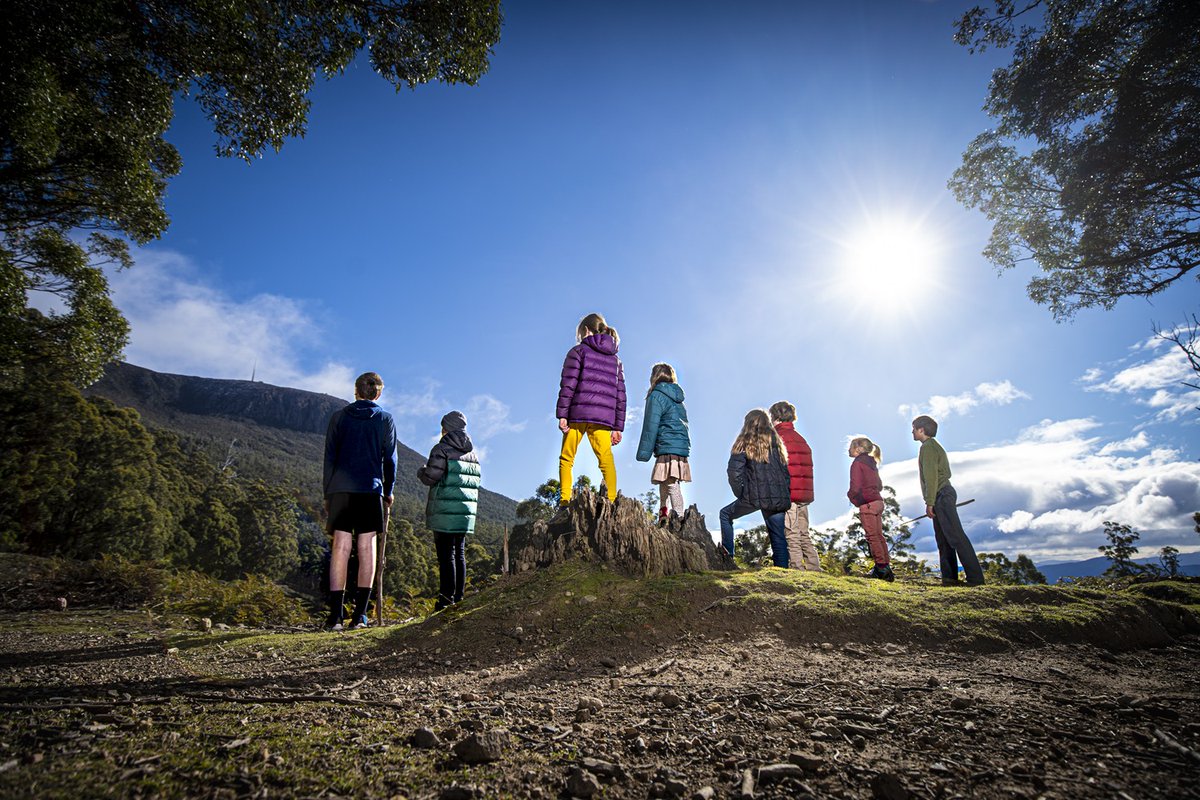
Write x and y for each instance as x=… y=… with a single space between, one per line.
x=889 y=260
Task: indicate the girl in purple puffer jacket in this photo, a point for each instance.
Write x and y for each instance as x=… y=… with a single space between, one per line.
x=591 y=401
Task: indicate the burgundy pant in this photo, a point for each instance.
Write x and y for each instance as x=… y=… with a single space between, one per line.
x=871 y=517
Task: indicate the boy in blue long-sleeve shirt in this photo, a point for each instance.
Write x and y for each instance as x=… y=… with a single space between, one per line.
x=360 y=471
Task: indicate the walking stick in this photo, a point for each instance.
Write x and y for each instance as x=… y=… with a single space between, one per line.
x=923 y=516
x=382 y=564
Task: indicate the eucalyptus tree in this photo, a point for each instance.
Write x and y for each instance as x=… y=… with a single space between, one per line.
x=88 y=89
x=1092 y=171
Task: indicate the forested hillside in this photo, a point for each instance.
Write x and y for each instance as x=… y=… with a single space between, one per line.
x=219 y=476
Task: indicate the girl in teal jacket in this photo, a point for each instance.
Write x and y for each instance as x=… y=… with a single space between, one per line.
x=665 y=435
x=452 y=475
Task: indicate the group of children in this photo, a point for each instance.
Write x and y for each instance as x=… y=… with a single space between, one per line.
x=770 y=463
x=770 y=471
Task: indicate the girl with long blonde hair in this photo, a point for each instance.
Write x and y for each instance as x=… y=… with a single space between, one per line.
x=758 y=476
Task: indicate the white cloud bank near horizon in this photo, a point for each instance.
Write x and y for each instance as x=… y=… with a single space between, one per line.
x=179 y=324
x=1048 y=493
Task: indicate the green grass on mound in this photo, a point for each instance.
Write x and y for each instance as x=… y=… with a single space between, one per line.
x=580 y=606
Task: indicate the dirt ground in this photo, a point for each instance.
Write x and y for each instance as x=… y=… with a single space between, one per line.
x=104 y=703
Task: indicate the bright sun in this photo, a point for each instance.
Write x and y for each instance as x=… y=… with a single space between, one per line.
x=888 y=260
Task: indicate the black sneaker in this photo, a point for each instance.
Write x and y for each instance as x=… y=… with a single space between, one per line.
x=885 y=573
x=334 y=624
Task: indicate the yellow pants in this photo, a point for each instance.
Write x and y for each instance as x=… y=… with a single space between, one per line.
x=600 y=438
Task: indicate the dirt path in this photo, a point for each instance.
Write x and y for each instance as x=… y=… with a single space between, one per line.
x=112 y=704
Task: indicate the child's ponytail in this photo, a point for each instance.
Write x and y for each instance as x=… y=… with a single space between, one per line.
x=594 y=323
x=869 y=447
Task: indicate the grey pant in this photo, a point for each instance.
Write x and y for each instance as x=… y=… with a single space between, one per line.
x=671 y=491
x=952 y=542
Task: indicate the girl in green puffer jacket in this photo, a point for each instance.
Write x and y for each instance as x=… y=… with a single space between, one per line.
x=452 y=475
x=665 y=436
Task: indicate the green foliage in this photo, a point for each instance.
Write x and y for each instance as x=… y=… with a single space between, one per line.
x=752 y=547
x=1120 y=550
x=541 y=506
x=998 y=569
x=114 y=580
x=1091 y=169
x=253 y=600
x=88 y=94
x=1169 y=558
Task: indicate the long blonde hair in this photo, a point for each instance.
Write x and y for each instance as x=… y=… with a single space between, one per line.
x=661 y=372
x=594 y=323
x=869 y=447
x=758 y=437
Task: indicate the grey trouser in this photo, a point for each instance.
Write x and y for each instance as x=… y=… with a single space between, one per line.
x=952 y=542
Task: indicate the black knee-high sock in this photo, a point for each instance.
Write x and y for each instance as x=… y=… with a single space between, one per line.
x=337 y=604
x=362 y=596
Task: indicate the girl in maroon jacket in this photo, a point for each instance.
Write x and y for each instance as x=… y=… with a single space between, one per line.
x=865 y=488
x=591 y=401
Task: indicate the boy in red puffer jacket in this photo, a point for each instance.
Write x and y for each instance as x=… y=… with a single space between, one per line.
x=801 y=552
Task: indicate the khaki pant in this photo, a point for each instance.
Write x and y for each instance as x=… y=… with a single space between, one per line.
x=801 y=552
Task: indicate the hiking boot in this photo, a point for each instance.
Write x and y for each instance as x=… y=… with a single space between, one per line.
x=721 y=551
x=360 y=623
x=884 y=573
x=333 y=624
x=662 y=517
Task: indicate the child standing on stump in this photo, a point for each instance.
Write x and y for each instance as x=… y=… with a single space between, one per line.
x=801 y=552
x=758 y=476
x=452 y=475
x=665 y=435
x=941 y=504
x=865 y=488
x=591 y=401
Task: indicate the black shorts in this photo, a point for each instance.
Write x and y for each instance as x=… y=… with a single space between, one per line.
x=356 y=512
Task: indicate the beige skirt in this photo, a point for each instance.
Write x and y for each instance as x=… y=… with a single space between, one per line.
x=671 y=468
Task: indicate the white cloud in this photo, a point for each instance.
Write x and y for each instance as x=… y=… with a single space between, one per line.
x=1016 y=521
x=487 y=417
x=1157 y=382
x=1048 y=492
x=1130 y=445
x=941 y=406
x=180 y=324
x=423 y=403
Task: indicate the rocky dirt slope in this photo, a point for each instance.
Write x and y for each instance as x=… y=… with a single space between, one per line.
x=577 y=682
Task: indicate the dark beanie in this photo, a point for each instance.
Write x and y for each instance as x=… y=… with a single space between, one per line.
x=454 y=421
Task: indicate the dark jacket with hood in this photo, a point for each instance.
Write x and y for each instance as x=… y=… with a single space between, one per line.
x=360 y=450
x=665 y=423
x=865 y=483
x=592 y=389
x=453 y=476
x=763 y=484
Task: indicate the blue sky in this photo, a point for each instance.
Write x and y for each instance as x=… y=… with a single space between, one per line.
x=756 y=195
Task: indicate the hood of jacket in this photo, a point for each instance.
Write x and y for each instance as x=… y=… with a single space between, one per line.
x=601 y=343
x=867 y=460
x=363 y=409
x=673 y=391
x=458 y=440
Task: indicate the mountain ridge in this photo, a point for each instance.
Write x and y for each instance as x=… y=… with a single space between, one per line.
x=276 y=433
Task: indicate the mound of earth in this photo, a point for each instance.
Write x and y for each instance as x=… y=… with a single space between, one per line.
x=577 y=681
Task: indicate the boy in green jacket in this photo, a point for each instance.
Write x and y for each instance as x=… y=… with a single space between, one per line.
x=941 y=504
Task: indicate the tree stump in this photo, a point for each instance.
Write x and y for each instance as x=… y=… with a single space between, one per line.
x=620 y=534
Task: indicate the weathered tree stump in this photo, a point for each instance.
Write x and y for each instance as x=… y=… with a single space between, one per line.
x=620 y=534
